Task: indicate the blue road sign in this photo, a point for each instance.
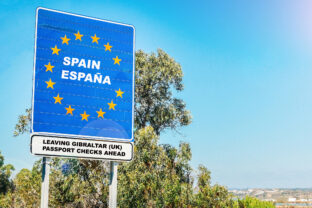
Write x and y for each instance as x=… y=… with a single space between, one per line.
x=83 y=82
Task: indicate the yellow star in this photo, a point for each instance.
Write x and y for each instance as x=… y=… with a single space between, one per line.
x=49 y=67
x=111 y=105
x=50 y=84
x=55 y=50
x=95 y=39
x=65 y=40
x=108 y=47
x=100 y=113
x=119 y=93
x=78 y=36
x=58 y=99
x=84 y=116
x=69 y=110
x=117 y=60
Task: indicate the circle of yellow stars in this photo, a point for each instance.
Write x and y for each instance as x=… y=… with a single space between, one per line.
x=50 y=83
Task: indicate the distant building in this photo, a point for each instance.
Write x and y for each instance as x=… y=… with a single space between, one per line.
x=292 y=199
x=258 y=192
x=269 y=200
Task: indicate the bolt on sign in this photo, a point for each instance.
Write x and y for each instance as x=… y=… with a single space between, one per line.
x=83 y=87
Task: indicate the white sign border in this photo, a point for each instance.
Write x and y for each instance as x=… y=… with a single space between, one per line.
x=84 y=158
x=34 y=74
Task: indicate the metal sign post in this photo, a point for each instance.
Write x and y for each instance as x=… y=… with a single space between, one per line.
x=45 y=182
x=112 y=203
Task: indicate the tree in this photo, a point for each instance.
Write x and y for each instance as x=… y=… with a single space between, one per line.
x=84 y=185
x=27 y=187
x=155 y=105
x=6 y=184
x=5 y=174
x=158 y=175
x=23 y=123
x=250 y=202
x=211 y=196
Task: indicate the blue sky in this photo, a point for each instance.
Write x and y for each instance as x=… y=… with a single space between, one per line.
x=247 y=68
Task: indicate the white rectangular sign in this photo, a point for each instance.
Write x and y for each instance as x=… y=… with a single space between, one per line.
x=81 y=148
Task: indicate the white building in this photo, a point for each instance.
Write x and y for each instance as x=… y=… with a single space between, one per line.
x=292 y=199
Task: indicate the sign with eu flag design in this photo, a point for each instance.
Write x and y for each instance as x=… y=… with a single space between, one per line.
x=83 y=87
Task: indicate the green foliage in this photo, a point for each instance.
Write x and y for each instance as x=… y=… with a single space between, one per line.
x=23 y=123
x=5 y=174
x=6 y=184
x=155 y=177
x=250 y=202
x=85 y=186
x=156 y=77
x=27 y=187
x=210 y=196
x=6 y=200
